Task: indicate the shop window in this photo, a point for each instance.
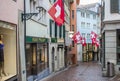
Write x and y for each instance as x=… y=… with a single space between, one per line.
x=42 y=57
x=118 y=46
x=31 y=59
x=8 y=54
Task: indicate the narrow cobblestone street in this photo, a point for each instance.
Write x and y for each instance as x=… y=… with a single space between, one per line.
x=83 y=72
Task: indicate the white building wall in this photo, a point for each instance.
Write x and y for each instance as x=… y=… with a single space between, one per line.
x=87 y=30
x=110 y=35
x=108 y=15
x=36 y=29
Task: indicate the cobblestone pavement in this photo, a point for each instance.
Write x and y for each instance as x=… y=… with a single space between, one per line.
x=83 y=72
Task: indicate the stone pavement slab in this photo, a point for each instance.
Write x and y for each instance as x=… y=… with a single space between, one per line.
x=87 y=71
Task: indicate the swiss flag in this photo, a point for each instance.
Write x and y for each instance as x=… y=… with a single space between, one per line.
x=97 y=43
x=77 y=37
x=93 y=36
x=57 y=12
x=83 y=41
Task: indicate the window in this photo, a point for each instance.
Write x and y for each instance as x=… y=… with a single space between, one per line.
x=114 y=6
x=72 y=14
x=52 y=1
x=72 y=27
x=42 y=57
x=94 y=26
x=52 y=29
x=88 y=36
x=94 y=16
x=82 y=14
x=82 y=24
x=83 y=34
x=72 y=43
x=87 y=15
x=88 y=25
x=118 y=46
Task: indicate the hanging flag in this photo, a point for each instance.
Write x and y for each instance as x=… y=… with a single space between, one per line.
x=93 y=36
x=83 y=41
x=77 y=37
x=97 y=43
x=57 y=12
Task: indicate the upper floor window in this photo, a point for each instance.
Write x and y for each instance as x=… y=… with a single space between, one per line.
x=32 y=6
x=94 y=26
x=82 y=24
x=87 y=15
x=82 y=14
x=52 y=1
x=72 y=27
x=114 y=6
x=88 y=25
x=88 y=35
x=73 y=14
x=94 y=16
x=42 y=16
x=83 y=34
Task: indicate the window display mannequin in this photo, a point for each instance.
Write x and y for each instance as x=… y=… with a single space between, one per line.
x=1 y=57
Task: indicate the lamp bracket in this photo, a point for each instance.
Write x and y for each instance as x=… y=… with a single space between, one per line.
x=28 y=16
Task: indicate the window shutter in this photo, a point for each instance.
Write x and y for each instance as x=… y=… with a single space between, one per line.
x=55 y=30
x=50 y=28
x=64 y=31
x=60 y=31
x=114 y=5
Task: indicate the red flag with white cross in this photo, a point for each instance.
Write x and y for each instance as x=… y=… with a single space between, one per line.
x=57 y=12
x=93 y=36
x=83 y=41
x=77 y=37
x=97 y=43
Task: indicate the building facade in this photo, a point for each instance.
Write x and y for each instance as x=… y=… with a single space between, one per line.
x=73 y=28
x=56 y=44
x=37 y=41
x=88 y=20
x=110 y=34
x=12 y=36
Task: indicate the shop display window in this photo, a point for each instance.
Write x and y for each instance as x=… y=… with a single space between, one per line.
x=36 y=58
x=42 y=57
x=8 y=54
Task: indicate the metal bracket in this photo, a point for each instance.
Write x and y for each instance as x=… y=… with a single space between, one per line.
x=28 y=16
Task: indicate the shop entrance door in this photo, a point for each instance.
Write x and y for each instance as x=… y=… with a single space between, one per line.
x=87 y=53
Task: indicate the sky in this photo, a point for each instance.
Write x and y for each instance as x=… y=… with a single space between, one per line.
x=83 y=2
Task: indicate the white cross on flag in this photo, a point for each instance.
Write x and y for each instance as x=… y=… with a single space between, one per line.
x=97 y=43
x=93 y=36
x=77 y=37
x=83 y=41
x=57 y=12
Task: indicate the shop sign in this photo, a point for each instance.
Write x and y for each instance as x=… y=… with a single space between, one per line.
x=36 y=39
x=60 y=40
x=54 y=40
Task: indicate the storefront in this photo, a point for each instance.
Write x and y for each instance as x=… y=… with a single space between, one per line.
x=90 y=53
x=37 y=64
x=8 y=51
x=60 y=54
